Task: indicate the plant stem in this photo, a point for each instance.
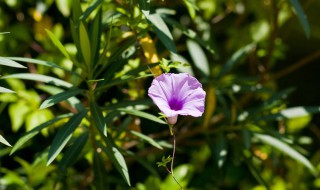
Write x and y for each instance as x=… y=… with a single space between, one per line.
x=172 y=160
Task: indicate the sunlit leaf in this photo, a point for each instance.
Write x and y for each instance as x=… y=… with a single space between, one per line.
x=199 y=57
x=10 y=63
x=58 y=44
x=41 y=62
x=142 y=114
x=290 y=113
x=5 y=90
x=60 y=97
x=4 y=141
x=117 y=159
x=159 y=26
x=301 y=15
x=64 y=7
x=73 y=152
x=40 y=78
x=27 y=136
x=89 y=10
x=63 y=136
x=73 y=101
x=37 y=117
x=183 y=173
x=95 y=37
x=85 y=44
x=286 y=149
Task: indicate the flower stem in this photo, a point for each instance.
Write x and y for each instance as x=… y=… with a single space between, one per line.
x=172 y=160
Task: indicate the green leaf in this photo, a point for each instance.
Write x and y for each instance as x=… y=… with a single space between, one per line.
x=183 y=173
x=146 y=138
x=142 y=114
x=40 y=78
x=191 y=34
x=85 y=44
x=95 y=37
x=62 y=96
x=235 y=58
x=116 y=158
x=64 y=135
x=10 y=63
x=90 y=9
x=73 y=101
x=99 y=172
x=286 y=149
x=192 y=7
x=159 y=26
x=291 y=113
x=27 y=136
x=64 y=7
x=302 y=16
x=5 y=90
x=4 y=141
x=73 y=152
x=98 y=118
x=58 y=44
x=128 y=103
x=41 y=62
x=37 y=117
x=199 y=57
x=17 y=113
x=76 y=11
x=254 y=171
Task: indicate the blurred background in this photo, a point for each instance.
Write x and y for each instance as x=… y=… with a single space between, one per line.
x=258 y=62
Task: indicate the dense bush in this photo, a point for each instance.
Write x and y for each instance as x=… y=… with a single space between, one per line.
x=74 y=98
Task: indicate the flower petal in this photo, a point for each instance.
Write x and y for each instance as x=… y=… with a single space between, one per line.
x=178 y=94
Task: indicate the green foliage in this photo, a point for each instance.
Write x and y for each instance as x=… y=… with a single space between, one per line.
x=74 y=104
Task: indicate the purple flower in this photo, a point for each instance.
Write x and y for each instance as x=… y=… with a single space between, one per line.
x=177 y=94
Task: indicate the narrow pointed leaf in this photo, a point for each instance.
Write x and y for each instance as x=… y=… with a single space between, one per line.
x=85 y=44
x=286 y=149
x=89 y=10
x=142 y=114
x=117 y=159
x=98 y=118
x=254 y=171
x=41 y=62
x=221 y=150
x=235 y=58
x=4 y=141
x=10 y=63
x=95 y=37
x=146 y=138
x=29 y=135
x=73 y=101
x=159 y=26
x=73 y=152
x=5 y=90
x=60 y=97
x=58 y=44
x=40 y=78
x=301 y=16
x=99 y=172
x=63 y=136
x=199 y=57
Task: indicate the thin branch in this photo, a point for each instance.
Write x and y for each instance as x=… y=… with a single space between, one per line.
x=304 y=61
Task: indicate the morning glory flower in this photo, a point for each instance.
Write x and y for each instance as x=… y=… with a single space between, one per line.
x=177 y=94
